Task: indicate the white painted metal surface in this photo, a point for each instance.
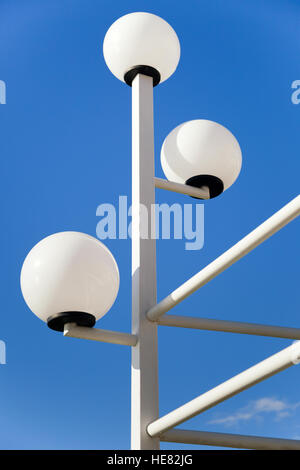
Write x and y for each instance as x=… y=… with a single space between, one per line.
x=229 y=326
x=202 y=193
x=240 y=249
x=185 y=436
x=144 y=388
x=261 y=371
x=73 y=331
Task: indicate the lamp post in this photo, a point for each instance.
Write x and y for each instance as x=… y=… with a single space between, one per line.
x=70 y=280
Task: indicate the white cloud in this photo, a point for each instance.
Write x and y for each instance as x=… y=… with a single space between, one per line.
x=256 y=409
x=270 y=404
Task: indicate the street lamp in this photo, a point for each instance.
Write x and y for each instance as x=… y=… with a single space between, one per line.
x=141 y=43
x=202 y=153
x=70 y=279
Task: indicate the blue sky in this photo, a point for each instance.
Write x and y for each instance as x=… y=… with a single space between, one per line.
x=65 y=149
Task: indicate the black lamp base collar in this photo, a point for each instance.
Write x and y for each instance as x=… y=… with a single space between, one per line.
x=58 y=321
x=144 y=70
x=214 y=184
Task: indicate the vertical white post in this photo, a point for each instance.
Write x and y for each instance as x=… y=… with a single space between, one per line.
x=144 y=366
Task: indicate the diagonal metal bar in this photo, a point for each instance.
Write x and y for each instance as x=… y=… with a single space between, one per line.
x=211 y=324
x=95 y=334
x=261 y=371
x=185 y=436
x=240 y=249
x=200 y=193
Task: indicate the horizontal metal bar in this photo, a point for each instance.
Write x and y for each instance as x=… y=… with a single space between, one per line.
x=201 y=193
x=229 y=326
x=261 y=371
x=240 y=249
x=229 y=440
x=95 y=334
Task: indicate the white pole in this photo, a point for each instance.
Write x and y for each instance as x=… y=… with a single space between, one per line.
x=201 y=193
x=240 y=249
x=185 y=436
x=95 y=334
x=261 y=371
x=229 y=326
x=144 y=367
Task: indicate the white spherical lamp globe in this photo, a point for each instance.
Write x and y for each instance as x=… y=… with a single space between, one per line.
x=69 y=277
x=202 y=153
x=141 y=43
